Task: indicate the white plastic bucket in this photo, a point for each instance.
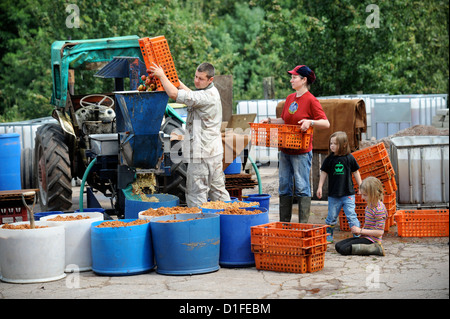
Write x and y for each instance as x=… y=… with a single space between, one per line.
x=32 y=255
x=141 y=215
x=78 y=239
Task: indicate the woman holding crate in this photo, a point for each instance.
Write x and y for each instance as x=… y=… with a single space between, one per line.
x=304 y=109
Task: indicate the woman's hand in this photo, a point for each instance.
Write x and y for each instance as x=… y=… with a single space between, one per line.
x=305 y=124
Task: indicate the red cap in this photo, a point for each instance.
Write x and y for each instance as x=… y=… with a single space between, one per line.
x=304 y=71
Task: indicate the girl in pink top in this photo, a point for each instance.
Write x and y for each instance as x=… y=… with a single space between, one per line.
x=369 y=240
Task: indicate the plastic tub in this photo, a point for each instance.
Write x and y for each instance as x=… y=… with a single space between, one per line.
x=32 y=255
x=133 y=207
x=10 y=162
x=171 y=210
x=121 y=250
x=78 y=239
x=235 y=237
x=38 y=216
x=94 y=210
x=213 y=211
x=262 y=199
x=188 y=247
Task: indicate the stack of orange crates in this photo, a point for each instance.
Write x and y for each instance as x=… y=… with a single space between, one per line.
x=374 y=161
x=156 y=50
x=289 y=247
x=422 y=223
x=280 y=135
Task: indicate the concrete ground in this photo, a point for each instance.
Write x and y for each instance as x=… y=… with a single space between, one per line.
x=413 y=268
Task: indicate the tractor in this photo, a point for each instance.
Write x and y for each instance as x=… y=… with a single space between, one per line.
x=95 y=137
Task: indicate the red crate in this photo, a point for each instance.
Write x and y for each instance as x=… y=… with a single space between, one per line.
x=294 y=264
x=422 y=223
x=280 y=135
x=13 y=214
x=156 y=50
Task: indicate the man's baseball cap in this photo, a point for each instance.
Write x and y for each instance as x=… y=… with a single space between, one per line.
x=304 y=71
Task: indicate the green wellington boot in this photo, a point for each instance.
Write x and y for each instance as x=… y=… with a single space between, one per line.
x=368 y=249
x=330 y=230
x=304 y=209
x=285 y=208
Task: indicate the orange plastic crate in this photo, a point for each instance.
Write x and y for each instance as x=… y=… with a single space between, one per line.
x=361 y=215
x=378 y=168
x=156 y=50
x=388 y=180
x=280 y=135
x=266 y=134
x=422 y=223
x=294 y=264
x=388 y=200
x=290 y=250
x=289 y=230
x=279 y=241
x=370 y=154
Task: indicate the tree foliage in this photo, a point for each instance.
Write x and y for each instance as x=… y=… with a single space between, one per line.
x=406 y=53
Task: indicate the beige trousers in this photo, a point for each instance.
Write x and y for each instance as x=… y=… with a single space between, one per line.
x=205 y=180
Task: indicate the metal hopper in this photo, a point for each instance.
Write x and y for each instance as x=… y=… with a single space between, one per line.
x=143 y=112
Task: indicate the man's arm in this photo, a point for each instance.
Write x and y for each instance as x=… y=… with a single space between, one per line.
x=168 y=86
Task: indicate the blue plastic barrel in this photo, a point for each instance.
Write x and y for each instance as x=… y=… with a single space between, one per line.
x=263 y=199
x=121 y=250
x=10 y=162
x=234 y=167
x=235 y=238
x=134 y=207
x=188 y=247
x=38 y=216
x=213 y=211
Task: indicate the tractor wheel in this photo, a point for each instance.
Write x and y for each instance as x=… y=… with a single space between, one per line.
x=176 y=183
x=52 y=168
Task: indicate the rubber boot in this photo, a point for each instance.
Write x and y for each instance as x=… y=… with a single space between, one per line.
x=304 y=209
x=330 y=230
x=368 y=249
x=285 y=208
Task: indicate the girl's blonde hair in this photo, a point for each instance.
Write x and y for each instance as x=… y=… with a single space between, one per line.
x=373 y=189
x=342 y=142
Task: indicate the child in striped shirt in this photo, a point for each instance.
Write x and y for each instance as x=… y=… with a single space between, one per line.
x=369 y=240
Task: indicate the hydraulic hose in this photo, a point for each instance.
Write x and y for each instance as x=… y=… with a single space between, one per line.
x=257 y=174
x=86 y=173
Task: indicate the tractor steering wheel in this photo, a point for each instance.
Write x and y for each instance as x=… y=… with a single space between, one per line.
x=92 y=101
